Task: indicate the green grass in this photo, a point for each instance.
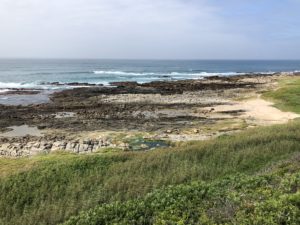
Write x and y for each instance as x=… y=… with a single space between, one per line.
x=287 y=97
x=272 y=198
x=12 y=166
x=55 y=187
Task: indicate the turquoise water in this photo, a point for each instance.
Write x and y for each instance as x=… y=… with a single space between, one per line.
x=36 y=73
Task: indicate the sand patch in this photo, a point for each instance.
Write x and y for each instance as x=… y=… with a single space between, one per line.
x=258 y=111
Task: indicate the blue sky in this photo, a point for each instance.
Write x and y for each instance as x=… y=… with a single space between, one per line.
x=169 y=29
x=276 y=19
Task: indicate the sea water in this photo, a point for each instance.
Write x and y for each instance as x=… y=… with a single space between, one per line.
x=39 y=73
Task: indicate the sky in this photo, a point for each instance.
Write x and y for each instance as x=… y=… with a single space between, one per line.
x=150 y=29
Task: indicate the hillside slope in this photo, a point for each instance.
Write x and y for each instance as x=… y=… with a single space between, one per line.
x=53 y=188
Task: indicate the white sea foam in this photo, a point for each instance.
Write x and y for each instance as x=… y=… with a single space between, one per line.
x=200 y=74
x=17 y=85
x=206 y=74
x=268 y=73
x=4 y=90
x=123 y=73
x=10 y=85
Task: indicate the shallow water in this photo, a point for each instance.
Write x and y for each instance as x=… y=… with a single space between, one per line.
x=143 y=144
x=21 y=131
x=25 y=99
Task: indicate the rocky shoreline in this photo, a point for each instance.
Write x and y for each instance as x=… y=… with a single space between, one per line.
x=29 y=147
x=75 y=120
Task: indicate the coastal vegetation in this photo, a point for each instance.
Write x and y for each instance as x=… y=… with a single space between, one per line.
x=113 y=188
x=269 y=198
x=287 y=96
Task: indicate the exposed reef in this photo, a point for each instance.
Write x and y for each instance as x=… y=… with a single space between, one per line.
x=163 y=110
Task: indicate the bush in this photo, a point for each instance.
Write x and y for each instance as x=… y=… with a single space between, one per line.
x=264 y=199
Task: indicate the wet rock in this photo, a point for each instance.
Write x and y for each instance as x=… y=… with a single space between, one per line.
x=72 y=84
x=41 y=127
x=124 y=84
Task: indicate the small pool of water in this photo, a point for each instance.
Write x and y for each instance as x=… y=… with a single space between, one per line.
x=143 y=144
x=21 y=131
x=25 y=99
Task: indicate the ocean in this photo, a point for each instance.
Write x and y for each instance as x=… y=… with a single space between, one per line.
x=38 y=73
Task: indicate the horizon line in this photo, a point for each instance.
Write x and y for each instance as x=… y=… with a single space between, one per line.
x=143 y=59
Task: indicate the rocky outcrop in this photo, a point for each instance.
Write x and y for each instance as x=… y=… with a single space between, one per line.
x=72 y=84
x=28 y=147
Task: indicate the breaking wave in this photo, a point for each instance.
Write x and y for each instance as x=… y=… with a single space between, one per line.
x=7 y=86
x=106 y=76
x=18 y=85
x=200 y=74
x=4 y=90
